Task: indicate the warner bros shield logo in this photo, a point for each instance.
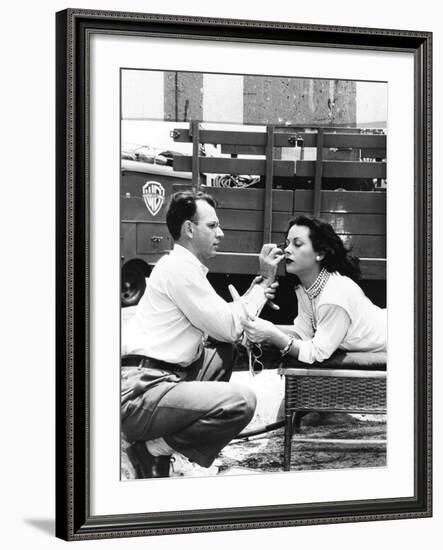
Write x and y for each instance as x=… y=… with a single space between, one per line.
x=154 y=196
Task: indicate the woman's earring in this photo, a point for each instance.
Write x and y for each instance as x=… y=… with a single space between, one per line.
x=318 y=258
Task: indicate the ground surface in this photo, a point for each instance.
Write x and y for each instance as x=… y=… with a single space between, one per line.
x=264 y=453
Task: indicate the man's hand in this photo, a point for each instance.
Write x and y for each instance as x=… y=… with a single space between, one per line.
x=259 y=329
x=270 y=257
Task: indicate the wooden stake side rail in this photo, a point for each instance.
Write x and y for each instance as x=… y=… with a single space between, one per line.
x=298 y=200
x=220 y=165
x=237 y=240
x=345 y=224
x=258 y=139
x=348 y=140
x=341 y=169
x=268 y=209
x=223 y=137
x=250 y=216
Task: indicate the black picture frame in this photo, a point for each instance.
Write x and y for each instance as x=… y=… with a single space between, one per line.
x=73 y=518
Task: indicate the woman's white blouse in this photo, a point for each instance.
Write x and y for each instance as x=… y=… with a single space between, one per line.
x=341 y=317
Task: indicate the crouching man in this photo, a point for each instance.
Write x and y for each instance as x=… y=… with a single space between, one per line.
x=178 y=406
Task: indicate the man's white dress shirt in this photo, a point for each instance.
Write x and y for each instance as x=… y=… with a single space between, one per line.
x=180 y=308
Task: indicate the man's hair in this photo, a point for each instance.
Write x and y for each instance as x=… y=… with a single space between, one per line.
x=183 y=206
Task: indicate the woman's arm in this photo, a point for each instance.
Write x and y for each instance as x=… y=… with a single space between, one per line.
x=259 y=330
x=333 y=324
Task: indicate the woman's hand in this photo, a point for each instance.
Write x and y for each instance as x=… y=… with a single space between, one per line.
x=269 y=291
x=258 y=330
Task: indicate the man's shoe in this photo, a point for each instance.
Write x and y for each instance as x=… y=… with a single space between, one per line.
x=145 y=464
x=181 y=466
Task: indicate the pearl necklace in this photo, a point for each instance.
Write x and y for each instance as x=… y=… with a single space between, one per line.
x=315 y=290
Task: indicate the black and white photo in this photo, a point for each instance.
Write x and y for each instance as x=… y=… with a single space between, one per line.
x=281 y=163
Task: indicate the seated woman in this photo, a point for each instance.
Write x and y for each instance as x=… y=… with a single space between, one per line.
x=333 y=311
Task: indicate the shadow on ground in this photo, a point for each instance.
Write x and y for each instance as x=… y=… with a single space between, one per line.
x=265 y=452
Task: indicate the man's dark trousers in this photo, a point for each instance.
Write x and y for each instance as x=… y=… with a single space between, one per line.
x=196 y=410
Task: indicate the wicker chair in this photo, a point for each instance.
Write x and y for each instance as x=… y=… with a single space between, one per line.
x=352 y=382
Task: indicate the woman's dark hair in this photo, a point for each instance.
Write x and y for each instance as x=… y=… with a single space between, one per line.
x=326 y=241
x=183 y=206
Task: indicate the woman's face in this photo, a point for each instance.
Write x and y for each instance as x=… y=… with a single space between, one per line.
x=300 y=257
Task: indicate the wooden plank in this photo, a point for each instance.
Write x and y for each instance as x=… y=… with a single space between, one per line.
x=342 y=154
x=221 y=137
x=369 y=246
x=373 y=153
x=318 y=174
x=195 y=128
x=251 y=220
x=328 y=153
x=353 y=224
x=247 y=241
x=235 y=263
x=354 y=141
x=365 y=246
x=218 y=165
x=245 y=199
x=248 y=264
x=242 y=150
x=342 y=201
x=267 y=211
x=251 y=199
x=373 y=269
x=341 y=169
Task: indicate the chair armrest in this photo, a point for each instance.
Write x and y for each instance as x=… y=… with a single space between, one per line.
x=355 y=360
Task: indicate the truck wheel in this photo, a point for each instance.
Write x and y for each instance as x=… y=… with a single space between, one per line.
x=133 y=283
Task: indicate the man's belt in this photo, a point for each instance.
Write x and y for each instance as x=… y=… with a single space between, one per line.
x=141 y=361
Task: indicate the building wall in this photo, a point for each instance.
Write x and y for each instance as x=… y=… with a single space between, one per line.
x=184 y=96
x=273 y=100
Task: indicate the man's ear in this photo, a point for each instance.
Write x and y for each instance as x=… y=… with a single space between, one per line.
x=187 y=229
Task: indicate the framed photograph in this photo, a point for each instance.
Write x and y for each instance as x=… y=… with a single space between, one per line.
x=270 y=122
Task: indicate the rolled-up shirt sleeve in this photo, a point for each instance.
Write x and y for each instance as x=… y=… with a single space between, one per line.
x=302 y=324
x=208 y=312
x=332 y=325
